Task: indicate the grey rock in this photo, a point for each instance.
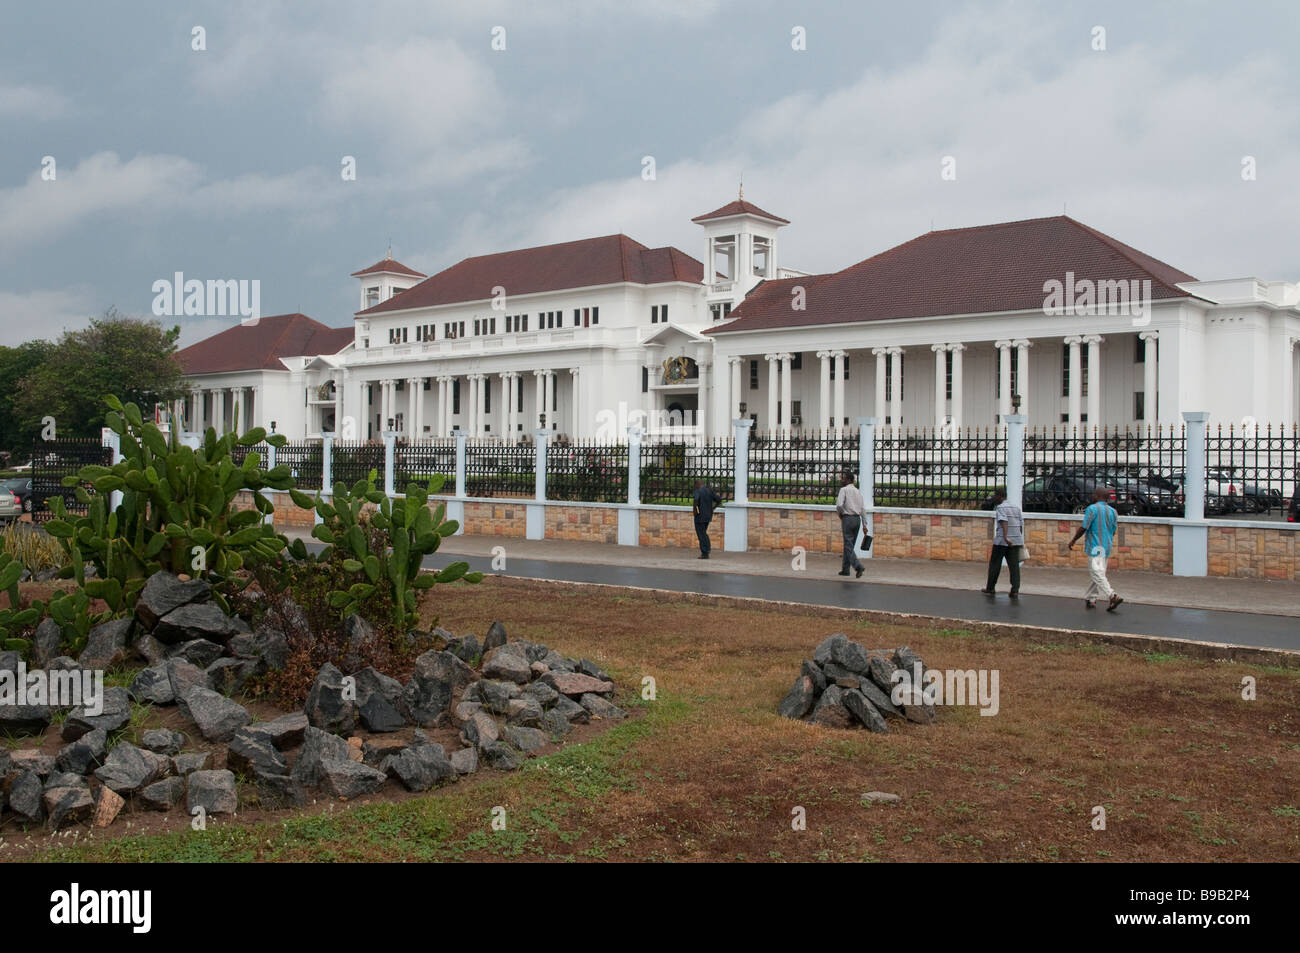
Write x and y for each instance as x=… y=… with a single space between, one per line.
x=32 y=759
x=904 y=657
x=497 y=695
x=880 y=797
x=215 y=715
x=436 y=678
x=63 y=663
x=201 y=621
x=326 y=707
x=230 y=676
x=574 y=684
x=273 y=646
x=556 y=662
x=284 y=732
x=115 y=714
x=465 y=760
x=851 y=656
x=471 y=693
x=377 y=714
x=526 y=740
x=500 y=756
x=198 y=652
x=85 y=754
x=465 y=711
x=420 y=768
x=149 y=648
x=359 y=636
x=571 y=710
x=375 y=751
x=9 y=660
x=466 y=649
x=184 y=676
x=153 y=686
x=317 y=747
x=508 y=665
x=878 y=698
x=67 y=805
x=865 y=712
x=64 y=779
x=480 y=730
x=536 y=652
x=830 y=710
x=555 y=724
x=526 y=711
x=46 y=641
x=164 y=593
x=214 y=791
x=881 y=671
x=127 y=768
x=544 y=693
x=163 y=795
x=25 y=719
x=814 y=671
x=496 y=636
x=252 y=755
x=823 y=653
x=371 y=682
x=588 y=667
x=25 y=797
x=922 y=714
x=799 y=700
x=106 y=644
x=599 y=707
x=183 y=764
x=348 y=779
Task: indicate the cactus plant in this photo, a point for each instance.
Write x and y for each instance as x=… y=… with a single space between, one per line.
x=12 y=618
x=176 y=510
x=409 y=529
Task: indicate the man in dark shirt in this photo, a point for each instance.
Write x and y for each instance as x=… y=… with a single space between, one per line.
x=705 y=500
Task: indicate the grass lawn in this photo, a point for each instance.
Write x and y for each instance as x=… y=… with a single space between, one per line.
x=1185 y=769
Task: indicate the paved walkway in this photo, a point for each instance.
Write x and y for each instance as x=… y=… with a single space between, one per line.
x=1244 y=612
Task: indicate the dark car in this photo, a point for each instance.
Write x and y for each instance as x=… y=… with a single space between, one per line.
x=20 y=487
x=1293 y=512
x=1067 y=493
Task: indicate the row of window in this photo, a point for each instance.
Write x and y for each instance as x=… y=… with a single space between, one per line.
x=658 y=314
x=513 y=323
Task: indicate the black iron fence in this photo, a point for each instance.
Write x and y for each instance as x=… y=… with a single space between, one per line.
x=52 y=460
x=353 y=460
x=800 y=468
x=939 y=469
x=1252 y=469
x=498 y=470
x=587 y=471
x=305 y=462
x=669 y=471
x=1141 y=470
x=419 y=463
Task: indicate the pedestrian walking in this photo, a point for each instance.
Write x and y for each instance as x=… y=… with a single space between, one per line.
x=1099 y=523
x=1008 y=538
x=705 y=500
x=852 y=508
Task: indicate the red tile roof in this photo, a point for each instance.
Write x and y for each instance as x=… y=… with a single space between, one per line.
x=740 y=207
x=388 y=266
x=250 y=347
x=989 y=268
x=610 y=259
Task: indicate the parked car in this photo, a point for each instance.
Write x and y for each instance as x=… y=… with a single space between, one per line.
x=1293 y=512
x=1219 y=496
x=1066 y=493
x=20 y=487
x=10 y=508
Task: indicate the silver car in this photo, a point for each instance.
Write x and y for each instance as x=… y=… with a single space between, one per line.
x=10 y=508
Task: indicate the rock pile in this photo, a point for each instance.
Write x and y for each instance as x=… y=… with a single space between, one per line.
x=521 y=696
x=846 y=684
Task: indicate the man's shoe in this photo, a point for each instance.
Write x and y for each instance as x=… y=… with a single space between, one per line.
x=1114 y=603
x=989 y=592
x=704 y=555
x=843 y=572
x=860 y=568
x=1015 y=594
x=1089 y=604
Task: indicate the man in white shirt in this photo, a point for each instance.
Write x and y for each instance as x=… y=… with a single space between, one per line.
x=1008 y=537
x=852 y=508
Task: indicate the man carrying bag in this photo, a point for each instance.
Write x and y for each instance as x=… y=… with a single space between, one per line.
x=851 y=508
x=1008 y=543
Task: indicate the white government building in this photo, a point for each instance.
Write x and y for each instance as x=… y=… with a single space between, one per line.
x=585 y=338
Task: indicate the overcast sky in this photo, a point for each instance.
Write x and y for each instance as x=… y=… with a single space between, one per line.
x=225 y=163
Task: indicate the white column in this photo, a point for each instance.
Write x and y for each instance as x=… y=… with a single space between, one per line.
x=957 y=405
x=553 y=397
x=383 y=405
x=1004 y=380
x=412 y=398
x=824 y=397
x=419 y=409
x=896 y=388
x=476 y=405
x=1022 y=374
x=838 y=359
x=1150 y=383
x=736 y=364
x=340 y=388
x=940 y=384
x=575 y=377
x=882 y=411
x=1094 y=381
x=786 y=404
x=704 y=399
x=506 y=411
x=772 y=384
x=1076 y=385
x=444 y=406
x=539 y=378
x=219 y=410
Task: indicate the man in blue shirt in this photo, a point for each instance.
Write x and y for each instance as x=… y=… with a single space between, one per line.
x=1099 y=524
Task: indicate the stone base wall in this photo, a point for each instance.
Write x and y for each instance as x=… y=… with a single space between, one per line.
x=677 y=528
x=1254 y=553
x=586 y=524
x=504 y=518
x=817 y=531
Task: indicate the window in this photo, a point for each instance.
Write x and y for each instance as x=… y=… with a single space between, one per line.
x=796 y=412
x=424 y=332
x=453 y=329
x=796 y=361
x=372 y=296
x=753 y=375
x=1139 y=353
x=654 y=314
x=947 y=370
x=1065 y=370
x=397 y=335
x=720 y=311
x=577 y=317
x=844 y=363
x=520 y=387
x=659 y=314
x=455 y=395
x=645 y=379
x=487 y=395
x=1139 y=406
x=889 y=376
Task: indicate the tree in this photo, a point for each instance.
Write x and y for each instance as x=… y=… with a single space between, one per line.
x=16 y=363
x=131 y=357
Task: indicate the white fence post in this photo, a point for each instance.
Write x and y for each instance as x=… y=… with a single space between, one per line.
x=1016 y=458
x=114 y=443
x=629 y=517
x=1191 y=537
x=456 y=507
x=326 y=468
x=390 y=462
x=735 y=515
x=270 y=465
x=867 y=473
x=535 y=513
